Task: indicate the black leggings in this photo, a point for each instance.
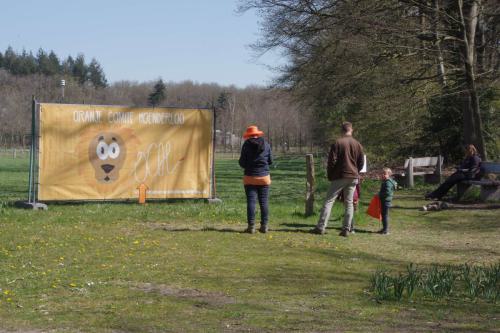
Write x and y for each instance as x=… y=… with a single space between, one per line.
x=448 y=184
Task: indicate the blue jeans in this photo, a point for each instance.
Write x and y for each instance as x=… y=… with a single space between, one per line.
x=254 y=193
x=385 y=215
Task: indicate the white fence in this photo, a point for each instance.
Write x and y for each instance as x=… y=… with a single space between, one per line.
x=14 y=152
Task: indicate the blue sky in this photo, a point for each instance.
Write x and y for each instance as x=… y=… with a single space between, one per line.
x=199 y=40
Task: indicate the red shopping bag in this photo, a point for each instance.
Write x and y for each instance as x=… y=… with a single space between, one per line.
x=375 y=208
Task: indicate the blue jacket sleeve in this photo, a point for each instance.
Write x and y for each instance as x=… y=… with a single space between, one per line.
x=243 y=157
x=270 y=156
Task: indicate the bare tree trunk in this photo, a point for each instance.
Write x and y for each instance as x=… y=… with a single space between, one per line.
x=473 y=129
x=232 y=107
x=224 y=138
x=437 y=43
x=283 y=139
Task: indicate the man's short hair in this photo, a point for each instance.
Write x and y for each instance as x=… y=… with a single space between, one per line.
x=346 y=127
x=388 y=171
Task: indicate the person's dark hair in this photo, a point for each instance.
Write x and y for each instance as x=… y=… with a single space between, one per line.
x=346 y=127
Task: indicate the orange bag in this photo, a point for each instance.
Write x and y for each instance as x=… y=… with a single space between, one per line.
x=375 y=208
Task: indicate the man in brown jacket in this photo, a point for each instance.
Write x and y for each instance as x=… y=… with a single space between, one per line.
x=345 y=160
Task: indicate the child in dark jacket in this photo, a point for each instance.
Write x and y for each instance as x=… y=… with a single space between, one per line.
x=255 y=158
x=386 y=193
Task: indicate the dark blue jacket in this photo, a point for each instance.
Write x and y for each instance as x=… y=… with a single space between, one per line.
x=470 y=166
x=256 y=157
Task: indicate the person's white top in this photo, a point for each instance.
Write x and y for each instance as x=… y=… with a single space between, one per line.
x=365 y=168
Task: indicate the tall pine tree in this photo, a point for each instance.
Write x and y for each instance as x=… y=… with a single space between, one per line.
x=80 y=69
x=158 y=95
x=54 y=64
x=96 y=75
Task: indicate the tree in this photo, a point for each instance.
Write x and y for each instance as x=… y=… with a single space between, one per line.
x=42 y=61
x=96 y=74
x=54 y=65
x=67 y=66
x=158 y=94
x=80 y=70
x=387 y=63
x=9 y=59
x=25 y=64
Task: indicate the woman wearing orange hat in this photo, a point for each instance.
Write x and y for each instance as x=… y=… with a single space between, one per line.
x=255 y=158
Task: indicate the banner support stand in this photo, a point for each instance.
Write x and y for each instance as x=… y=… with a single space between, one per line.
x=31 y=203
x=213 y=196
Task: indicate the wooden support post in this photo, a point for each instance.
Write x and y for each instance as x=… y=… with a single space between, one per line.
x=310 y=182
x=439 y=168
x=409 y=173
x=461 y=189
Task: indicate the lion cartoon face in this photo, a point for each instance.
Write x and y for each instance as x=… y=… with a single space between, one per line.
x=107 y=152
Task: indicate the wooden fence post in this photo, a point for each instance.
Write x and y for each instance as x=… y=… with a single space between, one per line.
x=310 y=182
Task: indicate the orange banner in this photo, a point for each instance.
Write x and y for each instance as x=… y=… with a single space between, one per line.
x=90 y=152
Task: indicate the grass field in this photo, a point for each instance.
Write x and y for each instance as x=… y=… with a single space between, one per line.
x=184 y=266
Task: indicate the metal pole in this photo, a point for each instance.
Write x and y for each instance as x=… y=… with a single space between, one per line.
x=63 y=84
x=32 y=151
x=36 y=155
x=214 y=132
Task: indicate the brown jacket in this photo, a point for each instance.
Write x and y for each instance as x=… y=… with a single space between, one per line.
x=345 y=159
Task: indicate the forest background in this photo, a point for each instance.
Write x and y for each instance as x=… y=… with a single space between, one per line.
x=416 y=77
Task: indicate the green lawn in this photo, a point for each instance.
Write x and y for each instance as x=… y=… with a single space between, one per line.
x=184 y=266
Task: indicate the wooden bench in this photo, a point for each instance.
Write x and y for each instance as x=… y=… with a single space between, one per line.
x=490 y=185
x=429 y=167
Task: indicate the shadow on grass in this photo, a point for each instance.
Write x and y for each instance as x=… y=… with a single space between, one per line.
x=406 y=207
x=453 y=249
x=295 y=228
x=230 y=230
x=131 y=202
x=311 y=226
x=472 y=222
x=297 y=225
x=303 y=215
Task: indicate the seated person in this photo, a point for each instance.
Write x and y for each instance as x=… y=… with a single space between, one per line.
x=468 y=169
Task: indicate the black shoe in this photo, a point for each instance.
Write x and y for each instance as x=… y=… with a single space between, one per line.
x=383 y=232
x=344 y=233
x=431 y=196
x=250 y=230
x=263 y=228
x=317 y=231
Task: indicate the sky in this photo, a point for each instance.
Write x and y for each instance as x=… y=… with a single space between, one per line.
x=200 y=40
